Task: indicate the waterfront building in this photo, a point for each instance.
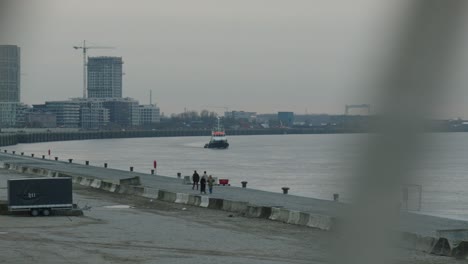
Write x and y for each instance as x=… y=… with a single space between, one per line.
x=67 y=112
x=105 y=77
x=286 y=118
x=8 y=112
x=40 y=120
x=237 y=115
x=93 y=115
x=10 y=73
x=123 y=112
x=149 y=114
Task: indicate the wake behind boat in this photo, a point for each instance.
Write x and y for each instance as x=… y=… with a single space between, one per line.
x=218 y=138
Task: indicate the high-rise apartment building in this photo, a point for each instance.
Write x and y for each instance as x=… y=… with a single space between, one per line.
x=105 y=77
x=10 y=72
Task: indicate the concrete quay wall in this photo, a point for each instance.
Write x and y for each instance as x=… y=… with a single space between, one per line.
x=434 y=244
x=243 y=208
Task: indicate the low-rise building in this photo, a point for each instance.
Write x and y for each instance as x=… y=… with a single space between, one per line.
x=66 y=112
x=123 y=112
x=286 y=118
x=149 y=114
x=237 y=115
x=8 y=113
x=40 y=120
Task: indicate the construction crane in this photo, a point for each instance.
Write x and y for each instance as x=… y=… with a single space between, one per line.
x=85 y=50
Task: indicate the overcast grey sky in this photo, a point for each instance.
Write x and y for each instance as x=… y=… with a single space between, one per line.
x=253 y=55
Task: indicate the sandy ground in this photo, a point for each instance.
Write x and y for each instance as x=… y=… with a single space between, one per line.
x=129 y=229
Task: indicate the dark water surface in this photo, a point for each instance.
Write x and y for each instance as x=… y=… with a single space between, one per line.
x=311 y=165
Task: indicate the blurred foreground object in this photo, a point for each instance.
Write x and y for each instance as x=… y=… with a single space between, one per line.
x=408 y=86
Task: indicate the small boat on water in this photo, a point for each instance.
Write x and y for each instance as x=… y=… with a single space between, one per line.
x=218 y=138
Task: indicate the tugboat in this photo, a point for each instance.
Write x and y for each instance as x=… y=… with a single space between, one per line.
x=218 y=138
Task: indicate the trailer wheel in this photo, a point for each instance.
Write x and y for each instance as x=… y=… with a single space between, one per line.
x=34 y=212
x=46 y=212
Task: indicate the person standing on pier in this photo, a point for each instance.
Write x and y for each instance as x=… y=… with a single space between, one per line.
x=195 y=179
x=210 y=184
x=203 y=184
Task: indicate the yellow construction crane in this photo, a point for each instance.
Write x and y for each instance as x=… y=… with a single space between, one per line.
x=85 y=50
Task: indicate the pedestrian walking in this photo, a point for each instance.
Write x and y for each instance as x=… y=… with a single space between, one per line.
x=210 y=184
x=195 y=179
x=205 y=175
x=203 y=185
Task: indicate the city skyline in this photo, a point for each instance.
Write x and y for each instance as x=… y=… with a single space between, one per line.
x=263 y=56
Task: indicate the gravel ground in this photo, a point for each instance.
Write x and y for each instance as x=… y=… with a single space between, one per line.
x=129 y=229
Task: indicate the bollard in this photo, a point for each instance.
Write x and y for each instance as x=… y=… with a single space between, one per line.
x=131 y=168
x=179 y=175
x=43 y=156
x=56 y=158
x=336 y=197
x=70 y=160
x=285 y=190
x=152 y=172
x=105 y=165
x=22 y=153
x=32 y=155
x=87 y=162
x=244 y=184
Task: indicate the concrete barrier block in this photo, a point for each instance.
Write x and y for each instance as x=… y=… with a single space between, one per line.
x=234 y=206
x=85 y=182
x=460 y=251
x=96 y=183
x=105 y=186
x=275 y=213
x=441 y=247
x=130 y=181
x=417 y=242
x=194 y=200
x=138 y=190
x=253 y=211
x=279 y=214
x=204 y=201
x=114 y=188
x=124 y=189
x=167 y=196
x=77 y=179
x=215 y=203
x=259 y=211
x=187 y=180
x=182 y=198
x=227 y=205
x=150 y=193
x=294 y=217
x=322 y=222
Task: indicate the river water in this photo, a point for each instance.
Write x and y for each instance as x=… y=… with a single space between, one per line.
x=310 y=165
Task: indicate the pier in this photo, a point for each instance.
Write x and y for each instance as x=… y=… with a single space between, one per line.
x=420 y=232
